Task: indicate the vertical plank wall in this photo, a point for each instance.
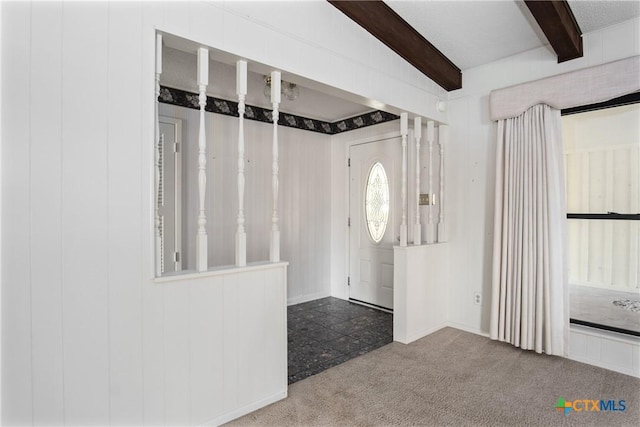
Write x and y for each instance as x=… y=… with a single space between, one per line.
x=85 y=274
x=17 y=402
x=87 y=336
x=125 y=199
x=46 y=215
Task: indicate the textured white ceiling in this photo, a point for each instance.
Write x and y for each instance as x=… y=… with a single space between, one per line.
x=593 y=15
x=472 y=33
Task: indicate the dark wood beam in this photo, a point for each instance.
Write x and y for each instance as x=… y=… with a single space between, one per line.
x=559 y=25
x=388 y=27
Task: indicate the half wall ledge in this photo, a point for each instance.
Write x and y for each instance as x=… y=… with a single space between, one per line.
x=221 y=270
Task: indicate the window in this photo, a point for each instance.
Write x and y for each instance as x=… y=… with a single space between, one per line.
x=377 y=202
x=603 y=200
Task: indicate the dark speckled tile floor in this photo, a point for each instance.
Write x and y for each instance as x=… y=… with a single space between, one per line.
x=329 y=331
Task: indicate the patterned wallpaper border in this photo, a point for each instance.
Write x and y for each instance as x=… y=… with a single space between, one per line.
x=230 y=108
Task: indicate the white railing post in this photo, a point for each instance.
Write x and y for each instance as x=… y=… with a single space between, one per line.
x=201 y=239
x=157 y=142
x=431 y=230
x=241 y=91
x=443 y=139
x=417 y=132
x=404 y=128
x=274 y=252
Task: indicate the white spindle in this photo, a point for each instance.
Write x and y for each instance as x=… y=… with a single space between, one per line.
x=443 y=139
x=417 y=133
x=241 y=91
x=274 y=253
x=203 y=81
x=157 y=148
x=404 y=129
x=431 y=230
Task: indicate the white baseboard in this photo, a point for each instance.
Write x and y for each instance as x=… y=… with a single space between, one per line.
x=604 y=349
x=467 y=329
x=416 y=336
x=247 y=409
x=307 y=298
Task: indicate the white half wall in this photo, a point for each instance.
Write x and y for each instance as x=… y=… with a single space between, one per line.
x=223 y=351
x=420 y=291
x=609 y=350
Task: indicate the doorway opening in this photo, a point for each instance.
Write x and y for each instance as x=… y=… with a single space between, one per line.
x=374 y=196
x=330 y=331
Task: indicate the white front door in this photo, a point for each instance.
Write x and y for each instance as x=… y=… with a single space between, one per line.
x=374 y=202
x=170 y=197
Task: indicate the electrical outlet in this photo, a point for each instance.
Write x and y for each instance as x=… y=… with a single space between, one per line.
x=477 y=298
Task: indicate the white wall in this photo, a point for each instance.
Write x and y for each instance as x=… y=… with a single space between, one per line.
x=471 y=163
x=304 y=203
x=84 y=328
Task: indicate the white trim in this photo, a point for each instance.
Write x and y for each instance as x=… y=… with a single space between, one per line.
x=1 y=364
x=418 y=335
x=219 y=271
x=602 y=335
x=177 y=123
x=467 y=329
x=306 y=298
x=247 y=409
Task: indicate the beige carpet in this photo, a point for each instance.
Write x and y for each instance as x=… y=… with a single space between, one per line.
x=452 y=378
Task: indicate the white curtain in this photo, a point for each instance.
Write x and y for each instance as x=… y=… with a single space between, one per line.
x=529 y=306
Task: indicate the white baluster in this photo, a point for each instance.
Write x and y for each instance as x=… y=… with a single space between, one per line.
x=417 y=132
x=431 y=230
x=201 y=239
x=404 y=128
x=443 y=139
x=157 y=148
x=274 y=252
x=241 y=91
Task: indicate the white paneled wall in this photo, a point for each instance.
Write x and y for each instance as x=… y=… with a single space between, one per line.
x=606 y=349
x=46 y=205
x=17 y=280
x=87 y=336
x=304 y=203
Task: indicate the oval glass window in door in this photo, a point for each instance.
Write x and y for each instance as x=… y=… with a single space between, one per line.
x=376 y=202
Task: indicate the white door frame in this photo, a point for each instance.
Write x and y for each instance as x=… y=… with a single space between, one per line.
x=347 y=148
x=177 y=123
